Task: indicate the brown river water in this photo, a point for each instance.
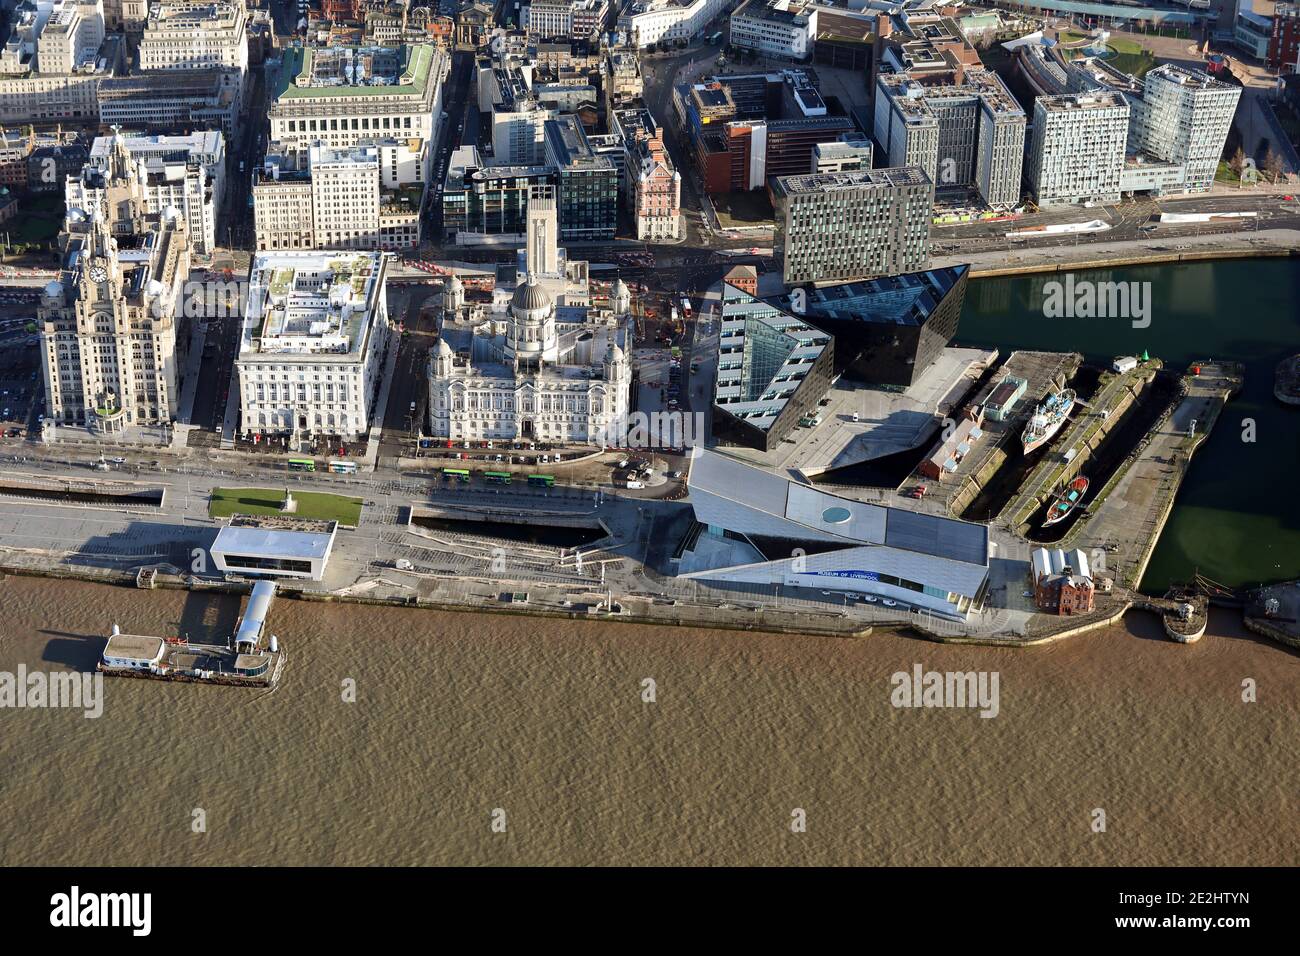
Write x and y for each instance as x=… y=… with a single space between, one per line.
x=457 y=715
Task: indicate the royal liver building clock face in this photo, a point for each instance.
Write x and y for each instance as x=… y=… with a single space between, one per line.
x=98 y=273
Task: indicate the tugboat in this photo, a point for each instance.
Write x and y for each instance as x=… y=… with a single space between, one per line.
x=1066 y=500
x=1047 y=419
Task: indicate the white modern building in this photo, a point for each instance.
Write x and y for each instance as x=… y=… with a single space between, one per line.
x=646 y=22
x=780 y=29
x=1077 y=149
x=762 y=529
x=315 y=335
x=848 y=153
x=1183 y=116
x=181 y=172
x=272 y=547
x=967 y=134
x=537 y=369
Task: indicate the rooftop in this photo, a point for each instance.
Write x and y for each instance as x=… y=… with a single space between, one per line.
x=355 y=71
x=312 y=302
x=271 y=542
x=768 y=11
x=906 y=299
x=1094 y=100
x=136 y=647
x=192 y=16
x=883 y=178
x=959 y=549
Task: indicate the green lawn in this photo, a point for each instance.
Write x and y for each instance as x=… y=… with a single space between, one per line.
x=267 y=501
x=1226 y=175
x=1130 y=57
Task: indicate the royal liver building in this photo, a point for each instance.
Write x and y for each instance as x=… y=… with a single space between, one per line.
x=540 y=363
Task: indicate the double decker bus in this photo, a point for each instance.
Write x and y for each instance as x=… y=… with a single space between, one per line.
x=686 y=307
x=302 y=464
x=455 y=474
x=497 y=477
x=541 y=481
x=343 y=467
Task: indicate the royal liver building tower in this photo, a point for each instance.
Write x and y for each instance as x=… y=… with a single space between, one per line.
x=540 y=365
x=108 y=326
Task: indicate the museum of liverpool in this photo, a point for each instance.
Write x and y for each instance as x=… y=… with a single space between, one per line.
x=757 y=528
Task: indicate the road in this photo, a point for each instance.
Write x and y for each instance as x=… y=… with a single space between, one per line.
x=461 y=126
x=408 y=386
x=1128 y=220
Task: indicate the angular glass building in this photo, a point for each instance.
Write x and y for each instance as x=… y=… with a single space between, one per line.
x=772 y=369
x=889 y=330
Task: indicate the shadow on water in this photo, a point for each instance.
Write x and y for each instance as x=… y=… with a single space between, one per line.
x=208 y=618
x=78 y=651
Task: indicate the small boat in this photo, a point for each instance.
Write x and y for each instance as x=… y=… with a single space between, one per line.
x=1066 y=500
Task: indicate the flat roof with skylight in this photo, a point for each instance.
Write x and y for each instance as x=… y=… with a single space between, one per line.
x=312 y=303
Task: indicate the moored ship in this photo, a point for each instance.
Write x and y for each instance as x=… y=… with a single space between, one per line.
x=1066 y=500
x=1047 y=419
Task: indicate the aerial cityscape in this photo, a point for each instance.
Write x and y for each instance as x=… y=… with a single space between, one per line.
x=590 y=432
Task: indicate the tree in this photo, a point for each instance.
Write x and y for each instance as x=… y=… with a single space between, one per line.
x=1237 y=162
x=1272 y=165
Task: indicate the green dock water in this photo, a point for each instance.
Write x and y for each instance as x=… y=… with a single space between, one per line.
x=1237 y=517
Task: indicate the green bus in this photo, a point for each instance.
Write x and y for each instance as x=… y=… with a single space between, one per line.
x=302 y=464
x=457 y=474
x=542 y=481
x=497 y=477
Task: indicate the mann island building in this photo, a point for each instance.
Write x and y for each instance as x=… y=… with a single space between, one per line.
x=315 y=333
x=757 y=528
x=836 y=227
